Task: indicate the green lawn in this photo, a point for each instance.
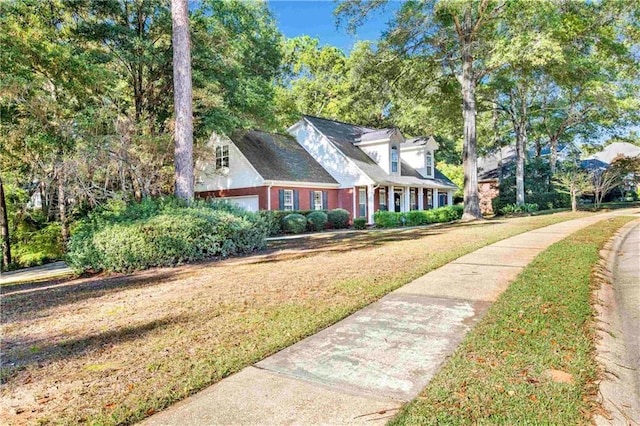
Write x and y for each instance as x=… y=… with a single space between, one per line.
x=541 y=326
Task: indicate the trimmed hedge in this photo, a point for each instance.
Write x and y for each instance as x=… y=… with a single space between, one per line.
x=294 y=223
x=544 y=200
x=162 y=232
x=417 y=217
x=338 y=218
x=360 y=223
x=317 y=221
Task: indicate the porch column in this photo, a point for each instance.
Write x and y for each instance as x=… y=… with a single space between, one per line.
x=436 y=199
x=370 y=206
x=407 y=199
x=420 y=198
x=450 y=198
x=391 y=206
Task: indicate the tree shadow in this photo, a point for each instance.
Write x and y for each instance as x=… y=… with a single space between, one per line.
x=27 y=302
x=20 y=354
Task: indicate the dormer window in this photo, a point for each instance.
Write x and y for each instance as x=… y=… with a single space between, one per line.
x=429 y=163
x=394 y=159
x=222 y=157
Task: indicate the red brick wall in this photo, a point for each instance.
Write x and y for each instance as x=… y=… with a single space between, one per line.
x=488 y=191
x=345 y=200
x=333 y=196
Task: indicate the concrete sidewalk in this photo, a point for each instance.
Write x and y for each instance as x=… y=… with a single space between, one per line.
x=362 y=369
x=36 y=273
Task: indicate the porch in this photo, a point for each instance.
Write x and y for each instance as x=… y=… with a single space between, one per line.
x=370 y=199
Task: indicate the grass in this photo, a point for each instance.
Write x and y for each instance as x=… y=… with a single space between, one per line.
x=112 y=350
x=502 y=373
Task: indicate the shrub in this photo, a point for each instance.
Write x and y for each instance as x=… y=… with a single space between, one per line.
x=294 y=223
x=359 y=223
x=548 y=200
x=270 y=220
x=338 y=218
x=168 y=233
x=317 y=220
x=38 y=247
x=417 y=217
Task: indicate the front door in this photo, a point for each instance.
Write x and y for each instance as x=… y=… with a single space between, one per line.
x=396 y=202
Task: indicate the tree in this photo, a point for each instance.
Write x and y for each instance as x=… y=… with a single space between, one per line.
x=183 y=98
x=603 y=181
x=4 y=230
x=574 y=182
x=455 y=38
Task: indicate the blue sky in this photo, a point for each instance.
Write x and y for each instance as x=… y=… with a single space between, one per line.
x=315 y=18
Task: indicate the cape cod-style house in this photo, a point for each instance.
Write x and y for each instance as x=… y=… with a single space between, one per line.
x=325 y=164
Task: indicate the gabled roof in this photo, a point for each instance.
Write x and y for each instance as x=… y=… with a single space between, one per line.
x=610 y=152
x=279 y=157
x=345 y=135
x=593 y=164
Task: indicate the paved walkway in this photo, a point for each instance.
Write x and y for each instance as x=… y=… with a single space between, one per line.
x=37 y=273
x=362 y=369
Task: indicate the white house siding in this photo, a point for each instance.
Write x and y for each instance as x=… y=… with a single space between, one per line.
x=334 y=162
x=380 y=152
x=241 y=173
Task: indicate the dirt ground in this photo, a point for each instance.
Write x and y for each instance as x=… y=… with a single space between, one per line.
x=112 y=349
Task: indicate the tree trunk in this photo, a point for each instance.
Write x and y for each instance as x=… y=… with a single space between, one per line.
x=553 y=142
x=521 y=143
x=182 y=99
x=62 y=208
x=4 y=230
x=574 y=200
x=469 y=149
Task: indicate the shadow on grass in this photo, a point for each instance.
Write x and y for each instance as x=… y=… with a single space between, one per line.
x=20 y=354
x=25 y=302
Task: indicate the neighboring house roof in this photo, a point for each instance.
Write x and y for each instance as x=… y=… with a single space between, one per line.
x=280 y=157
x=546 y=150
x=344 y=136
x=610 y=152
x=593 y=164
x=488 y=165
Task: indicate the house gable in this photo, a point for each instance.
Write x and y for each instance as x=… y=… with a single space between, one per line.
x=335 y=162
x=239 y=174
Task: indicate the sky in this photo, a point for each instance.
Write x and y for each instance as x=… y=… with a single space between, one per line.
x=315 y=18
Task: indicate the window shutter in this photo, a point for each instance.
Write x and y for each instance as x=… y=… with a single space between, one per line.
x=311 y=200
x=325 y=200
x=281 y=199
x=296 y=200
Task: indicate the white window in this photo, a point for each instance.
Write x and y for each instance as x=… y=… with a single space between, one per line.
x=222 y=156
x=362 y=202
x=429 y=161
x=394 y=159
x=383 y=199
x=317 y=200
x=412 y=199
x=288 y=199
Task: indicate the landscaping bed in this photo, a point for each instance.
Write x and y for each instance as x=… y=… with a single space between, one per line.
x=531 y=358
x=112 y=350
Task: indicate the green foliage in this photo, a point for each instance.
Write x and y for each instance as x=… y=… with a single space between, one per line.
x=544 y=200
x=515 y=208
x=338 y=218
x=417 y=217
x=317 y=221
x=37 y=247
x=360 y=223
x=294 y=223
x=162 y=232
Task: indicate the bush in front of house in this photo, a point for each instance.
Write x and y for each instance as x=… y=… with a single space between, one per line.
x=544 y=200
x=515 y=208
x=317 y=221
x=360 y=223
x=338 y=218
x=417 y=217
x=294 y=223
x=161 y=232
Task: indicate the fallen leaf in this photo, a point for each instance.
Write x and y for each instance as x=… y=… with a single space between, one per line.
x=558 y=376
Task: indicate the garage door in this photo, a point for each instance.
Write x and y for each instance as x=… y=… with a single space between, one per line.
x=250 y=202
